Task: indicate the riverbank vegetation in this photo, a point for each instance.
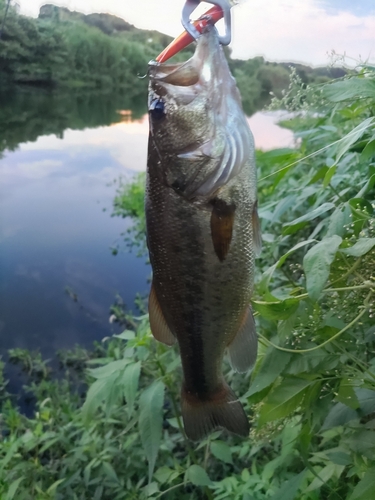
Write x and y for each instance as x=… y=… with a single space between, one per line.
x=100 y=51
x=111 y=427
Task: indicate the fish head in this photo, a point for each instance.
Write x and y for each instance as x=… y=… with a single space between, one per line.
x=196 y=119
x=184 y=98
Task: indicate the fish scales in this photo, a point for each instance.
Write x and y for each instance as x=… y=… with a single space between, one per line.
x=200 y=212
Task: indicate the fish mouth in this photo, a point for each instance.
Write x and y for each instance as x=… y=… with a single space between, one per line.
x=195 y=70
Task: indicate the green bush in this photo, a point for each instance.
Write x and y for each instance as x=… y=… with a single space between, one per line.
x=129 y=202
x=70 y=53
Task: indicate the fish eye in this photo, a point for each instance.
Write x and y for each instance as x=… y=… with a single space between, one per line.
x=157 y=109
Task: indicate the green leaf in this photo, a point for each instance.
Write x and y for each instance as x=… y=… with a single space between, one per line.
x=366 y=487
x=110 y=471
x=353 y=88
x=163 y=474
x=284 y=204
x=263 y=284
x=151 y=422
x=245 y=475
x=361 y=247
x=98 y=392
x=340 y=414
x=361 y=207
x=130 y=380
x=99 y=361
x=349 y=139
x=317 y=262
x=198 y=476
x=346 y=394
x=289 y=490
x=221 y=451
x=126 y=335
x=366 y=400
x=48 y=444
x=98 y=495
x=367 y=187
x=363 y=442
x=292 y=227
x=330 y=173
x=339 y=457
x=299 y=245
x=13 y=488
x=53 y=487
x=276 y=310
x=361 y=210
x=273 y=364
x=9 y=455
x=338 y=220
x=368 y=151
x=109 y=369
x=324 y=476
x=319 y=174
x=306 y=363
x=150 y=490
x=283 y=399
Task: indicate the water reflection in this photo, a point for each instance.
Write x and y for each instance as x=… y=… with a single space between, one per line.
x=56 y=201
x=267 y=133
x=55 y=225
x=26 y=114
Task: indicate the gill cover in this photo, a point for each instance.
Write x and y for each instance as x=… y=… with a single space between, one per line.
x=204 y=140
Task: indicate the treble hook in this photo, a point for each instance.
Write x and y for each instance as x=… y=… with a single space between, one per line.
x=189 y=8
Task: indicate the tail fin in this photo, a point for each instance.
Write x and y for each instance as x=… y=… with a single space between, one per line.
x=220 y=410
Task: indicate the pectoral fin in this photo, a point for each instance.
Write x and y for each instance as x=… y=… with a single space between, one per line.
x=243 y=348
x=159 y=328
x=222 y=219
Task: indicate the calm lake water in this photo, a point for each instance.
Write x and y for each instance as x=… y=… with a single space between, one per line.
x=60 y=160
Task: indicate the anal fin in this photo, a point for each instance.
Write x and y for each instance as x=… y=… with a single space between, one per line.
x=159 y=328
x=244 y=347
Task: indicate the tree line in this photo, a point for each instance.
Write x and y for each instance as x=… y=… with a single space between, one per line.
x=70 y=49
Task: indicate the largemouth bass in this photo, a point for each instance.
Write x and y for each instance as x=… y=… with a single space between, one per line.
x=202 y=230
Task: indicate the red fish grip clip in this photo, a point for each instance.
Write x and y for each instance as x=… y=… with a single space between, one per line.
x=212 y=16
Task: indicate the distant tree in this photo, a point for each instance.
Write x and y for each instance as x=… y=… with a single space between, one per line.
x=103 y=51
x=273 y=78
x=4 y=18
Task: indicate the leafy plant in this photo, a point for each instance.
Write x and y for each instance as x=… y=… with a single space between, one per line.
x=129 y=202
x=311 y=397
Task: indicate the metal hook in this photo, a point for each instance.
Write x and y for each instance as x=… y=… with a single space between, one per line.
x=191 y=5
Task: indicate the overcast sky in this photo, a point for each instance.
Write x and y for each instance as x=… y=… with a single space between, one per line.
x=304 y=31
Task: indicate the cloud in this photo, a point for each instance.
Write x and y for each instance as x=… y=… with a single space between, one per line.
x=361 y=8
x=300 y=31
x=32 y=169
